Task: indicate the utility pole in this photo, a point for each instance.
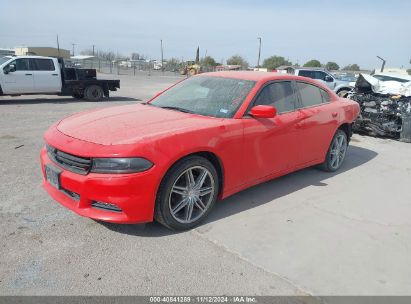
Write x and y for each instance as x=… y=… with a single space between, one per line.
x=58 y=45
x=93 y=49
x=259 y=53
x=73 y=44
x=161 y=44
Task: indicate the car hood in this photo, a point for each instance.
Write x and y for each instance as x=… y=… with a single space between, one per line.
x=130 y=124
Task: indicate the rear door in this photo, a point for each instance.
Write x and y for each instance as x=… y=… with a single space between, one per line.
x=19 y=81
x=320 y=120
x=46 y=76
x=272 y=145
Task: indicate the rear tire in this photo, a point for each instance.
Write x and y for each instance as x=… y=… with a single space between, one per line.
x=336 y=152
x=187 y=193
x=94 y=93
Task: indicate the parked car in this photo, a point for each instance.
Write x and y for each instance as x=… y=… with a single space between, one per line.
x=27 y=75
x=339 y=86
x=207 y=137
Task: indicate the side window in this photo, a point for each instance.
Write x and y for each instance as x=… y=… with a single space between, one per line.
x=310 y=94
x=21 y=64
x=278 y=94
x=319 y=75
x=304 y=73
x=44 y=64
x=325 y=96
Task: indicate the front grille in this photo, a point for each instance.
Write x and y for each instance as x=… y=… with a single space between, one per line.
x=76 y=164
x=105 y=206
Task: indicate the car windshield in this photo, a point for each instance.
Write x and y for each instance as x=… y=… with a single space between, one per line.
x=206 y=95
x=4 y=59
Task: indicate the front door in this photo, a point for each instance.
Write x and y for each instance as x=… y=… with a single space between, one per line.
x=272 y=145
x=19 y=79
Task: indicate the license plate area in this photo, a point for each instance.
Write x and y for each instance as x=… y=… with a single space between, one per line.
x=53 y=175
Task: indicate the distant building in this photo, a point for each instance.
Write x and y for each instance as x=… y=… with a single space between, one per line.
x=42 y=51
x=6 y=52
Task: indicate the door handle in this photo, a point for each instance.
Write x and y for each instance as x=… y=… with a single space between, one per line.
x=54 y=74
x=28 y=74
x=334 y=114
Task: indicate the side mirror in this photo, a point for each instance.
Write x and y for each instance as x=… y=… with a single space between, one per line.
x=10 y=68
x=328 y=78
x=263 y=111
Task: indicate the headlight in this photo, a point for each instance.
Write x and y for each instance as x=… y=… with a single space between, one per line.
x=120 y=165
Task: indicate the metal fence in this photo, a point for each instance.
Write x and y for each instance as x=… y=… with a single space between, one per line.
x=121 y=68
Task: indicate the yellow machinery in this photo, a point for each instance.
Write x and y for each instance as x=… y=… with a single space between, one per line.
x=190 y=68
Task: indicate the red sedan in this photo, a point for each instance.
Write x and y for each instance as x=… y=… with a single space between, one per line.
x=205 y=138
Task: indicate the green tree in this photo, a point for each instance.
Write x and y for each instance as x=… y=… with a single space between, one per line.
x=172 y=64
x=351 y=67
x=313 y=63
x=332 y=66
x=273 y=62
x=208 y=61
x=238 y=60
x=409 y=71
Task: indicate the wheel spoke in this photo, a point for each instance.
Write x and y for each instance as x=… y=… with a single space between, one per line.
x=189 y=211
x=190 y=178
x=200 y=179
x=183 y=203
x=179 y=190
x=199 y=203
x=206 y=190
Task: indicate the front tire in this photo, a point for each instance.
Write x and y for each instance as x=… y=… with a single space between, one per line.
x=94 y=93
x=187 y=193
x=336 y=152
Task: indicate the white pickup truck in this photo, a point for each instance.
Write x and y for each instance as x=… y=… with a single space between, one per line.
x=47 y=75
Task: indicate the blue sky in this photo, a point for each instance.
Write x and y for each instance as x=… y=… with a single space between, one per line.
x=342 y=31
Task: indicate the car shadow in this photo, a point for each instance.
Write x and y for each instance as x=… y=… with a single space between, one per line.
x=42 y=100
x=257 y=195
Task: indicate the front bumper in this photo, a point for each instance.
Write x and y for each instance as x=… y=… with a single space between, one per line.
x=134 y=193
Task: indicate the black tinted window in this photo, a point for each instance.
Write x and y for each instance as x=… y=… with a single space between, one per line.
x=308 y=74
x=278 y=94
x=44 y=64
x=319 y=75
x=310 y=95
x=21 y=64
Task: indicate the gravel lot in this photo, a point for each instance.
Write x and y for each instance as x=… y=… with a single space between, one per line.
x=306 y=233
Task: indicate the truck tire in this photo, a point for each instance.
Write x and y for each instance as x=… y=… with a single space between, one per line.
x=94 y=93
x=78 y=95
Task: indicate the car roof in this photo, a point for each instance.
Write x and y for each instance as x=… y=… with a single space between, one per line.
x=32 y=56
x=252 y=75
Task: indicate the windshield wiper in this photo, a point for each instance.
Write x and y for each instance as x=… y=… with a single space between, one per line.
x=177 y=109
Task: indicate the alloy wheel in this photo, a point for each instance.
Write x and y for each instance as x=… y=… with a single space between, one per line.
x=338 y=150
x=191 y=194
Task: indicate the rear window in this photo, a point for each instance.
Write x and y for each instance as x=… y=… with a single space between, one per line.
x=310 y=94
x=44 y=64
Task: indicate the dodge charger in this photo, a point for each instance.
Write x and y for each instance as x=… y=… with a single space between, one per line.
x=205 y=138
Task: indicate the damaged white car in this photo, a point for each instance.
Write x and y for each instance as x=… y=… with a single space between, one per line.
x=385 y=105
